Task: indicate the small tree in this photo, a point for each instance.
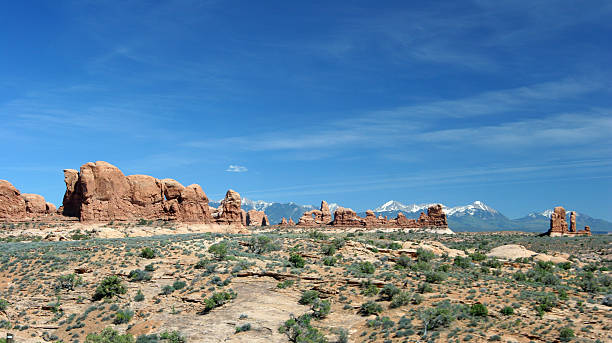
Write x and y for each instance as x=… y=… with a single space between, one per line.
x=297 y=260
x=109 y=287
x=320 y=308
x=219 y=250
x=147 y=253
x=369 y=308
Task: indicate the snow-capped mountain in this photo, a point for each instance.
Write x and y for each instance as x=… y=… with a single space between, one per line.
x=398 y=206
x=470 y=209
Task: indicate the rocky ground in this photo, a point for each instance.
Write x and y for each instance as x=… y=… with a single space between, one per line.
x=159 y=282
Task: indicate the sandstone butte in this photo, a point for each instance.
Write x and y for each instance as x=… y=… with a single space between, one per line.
x=558 y=224
x=15 y=205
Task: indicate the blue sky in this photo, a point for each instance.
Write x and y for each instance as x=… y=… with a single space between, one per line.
x=508 y=102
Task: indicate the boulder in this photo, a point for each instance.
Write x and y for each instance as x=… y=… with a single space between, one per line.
x=12 y=205
x=511 y=252
x=257 y=218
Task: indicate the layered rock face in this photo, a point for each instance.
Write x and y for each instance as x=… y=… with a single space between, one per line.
x=15 y=205
x=101 y=192
x=257 y=218
x=558 y=224
x=347 y=217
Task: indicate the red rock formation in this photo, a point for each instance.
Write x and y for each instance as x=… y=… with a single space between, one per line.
x=257 y=218
x=100 y=192
x=372 y=221
x=283 y=222
x=291 y=222
x=347 y=217
x=435 y=217
x=229 y=212
x=35 y=203
x=12 y=205
x=308 y=218
x=558 y=224
x=51 y=209
x=572 y=221
x=325 y=216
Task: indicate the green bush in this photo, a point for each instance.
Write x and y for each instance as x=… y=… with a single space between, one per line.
x=300 y=330
x=217 y=300
x=69 y=281
x=109 y=287
x=566 y=334
x=3 y=305
x=178 y=284
x=147 y=253
x=330 y=261
x=262 y=244
x=424 y=288
x=139 y=275
x=369 y=308
x=366 y=267
x=403 y=261
x=441 y=315
x=285 y=284
x=424 y=255
x=545 y=303
x=400 y=299
x=388 y=291
x=507 y=310
x=320 y=308
x=462 y=262
x=435 y=277
x=219 y=250
x=139 y=296
x=172 y=337
x=309 y=297
x=329 y=249
x=243 y=327
x=479 y=310
x=478 y=257
x=123 y=316
x=297 y=260
x=109 y=335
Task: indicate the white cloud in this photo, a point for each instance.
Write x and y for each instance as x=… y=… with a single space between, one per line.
x=236 y=169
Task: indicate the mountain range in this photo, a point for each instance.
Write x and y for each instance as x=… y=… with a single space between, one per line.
x=476 y=216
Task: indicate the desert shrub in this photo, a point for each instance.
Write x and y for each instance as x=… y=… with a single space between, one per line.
x=201 y=264
x=507 y=310
x=150 y=268
x=441 y=315
x=400 y=299
x=219 y=250
x=369 y=308
x=424 y=255
x=479 y=310
x=317 y=235
x=320 y=308
x=243 y=327
x=139 y=275
x=435 y=277
x=339 y=243
x=492 y=263
x=366 y=267
x=443 y=268
x=388 y=291
x=588 y=282
x=152 y=338
x=217 y=300
x=147 y=253
x=285 y=284
x=168 y=289
x=309 y=297
x=565 y=265
x=403 y=261
x=329 y=249
x=462 y=262
x=607 y=300
x=109 y=335
x=123 y=316
x=178 y=284
x=478 y=257
x=109 y=287
x=566 y=334
x=297 y=260
x=139 y=296
x=518 y=276
x=300 y=330
x=3 y=305
x=69 y=281
x=424 y=288
x=545 y=303
x=330 y=261
x=369 y=289
x=262 y=244
x=172 y=337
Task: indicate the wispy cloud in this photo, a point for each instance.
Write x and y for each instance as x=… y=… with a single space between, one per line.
x=236 y=169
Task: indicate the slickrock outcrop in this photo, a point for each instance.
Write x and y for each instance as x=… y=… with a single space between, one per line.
x=229 y=212
x=283 y=222
x=558 y=224
x=257 y=218
x=12 y=205
x=101 y=192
